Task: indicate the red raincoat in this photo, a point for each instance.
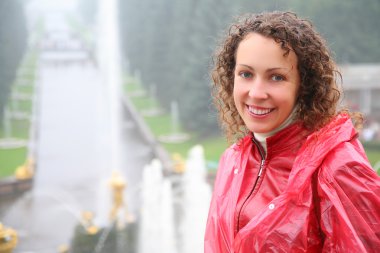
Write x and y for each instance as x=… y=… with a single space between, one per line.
x=330 y=202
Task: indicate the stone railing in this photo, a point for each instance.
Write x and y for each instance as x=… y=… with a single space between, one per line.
x=12 y=187
x=158 y=150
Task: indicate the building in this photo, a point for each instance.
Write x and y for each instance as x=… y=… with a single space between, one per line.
x=361 y=87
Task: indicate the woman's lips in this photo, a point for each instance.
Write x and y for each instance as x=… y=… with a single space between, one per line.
x=259 y=111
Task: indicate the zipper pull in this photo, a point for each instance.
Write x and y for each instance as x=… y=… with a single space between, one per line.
x=261 y=167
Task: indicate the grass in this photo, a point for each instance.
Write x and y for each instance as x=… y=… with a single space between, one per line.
x=144 y=103
x=20 y=129
x=25 y=89
x=161 y=125
x=11 y=158
x=373 y=156
x=22 y=106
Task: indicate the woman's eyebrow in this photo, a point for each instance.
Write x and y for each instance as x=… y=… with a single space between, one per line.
x=277 y=68
x=247 y=66
x=268 y=70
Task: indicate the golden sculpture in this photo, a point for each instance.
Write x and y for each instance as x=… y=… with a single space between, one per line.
x=63 y=248
x=179 y=164
x=8 y=239
x=25 y=171
x=117 y=184
x=87 y=221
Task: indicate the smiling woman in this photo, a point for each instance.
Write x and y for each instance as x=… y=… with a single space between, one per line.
x=297 y=179
x=266 y=83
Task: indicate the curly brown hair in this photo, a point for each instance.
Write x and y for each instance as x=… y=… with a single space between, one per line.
x=319 y=94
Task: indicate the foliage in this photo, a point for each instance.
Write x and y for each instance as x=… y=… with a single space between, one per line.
x=13 y=38
x=170 y=43
x=350 y=27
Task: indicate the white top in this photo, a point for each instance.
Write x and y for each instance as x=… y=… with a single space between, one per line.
x=262 y=137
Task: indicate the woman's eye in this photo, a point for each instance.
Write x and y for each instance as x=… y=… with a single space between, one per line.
x=277 y=78
x=245 y=74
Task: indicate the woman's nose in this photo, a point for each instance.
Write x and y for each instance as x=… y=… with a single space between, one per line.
x=258 y=89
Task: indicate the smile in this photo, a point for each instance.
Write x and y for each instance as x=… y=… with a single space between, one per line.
x=259 y=112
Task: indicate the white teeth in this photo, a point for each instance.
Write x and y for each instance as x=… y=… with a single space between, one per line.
x=259 y=111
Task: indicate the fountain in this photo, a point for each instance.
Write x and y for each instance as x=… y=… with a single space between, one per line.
x=157 y=214
x=17 y=113
x=57 y=204
x=167 y=214
x=43 y=217
x=183 y=205
x=109 y=58
x=85 y=235
x=196 y=201
x=8 y=142
x=121 y=223
x=174 y=117
x=175 y=136
x=152 y=109
x=109 y=54
x=7 y=126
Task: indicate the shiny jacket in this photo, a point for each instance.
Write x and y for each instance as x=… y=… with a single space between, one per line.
x=315 y=193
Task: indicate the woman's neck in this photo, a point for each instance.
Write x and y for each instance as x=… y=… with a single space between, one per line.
x=261 y=137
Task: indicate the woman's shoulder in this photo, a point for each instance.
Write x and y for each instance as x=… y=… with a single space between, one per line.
x=238 y=147
x=347 y=161
x=233 y=154
x=336 y=152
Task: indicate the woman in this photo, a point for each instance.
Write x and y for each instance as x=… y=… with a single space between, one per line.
x=297 y=179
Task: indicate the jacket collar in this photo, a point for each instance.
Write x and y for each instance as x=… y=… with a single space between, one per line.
x=284 y=139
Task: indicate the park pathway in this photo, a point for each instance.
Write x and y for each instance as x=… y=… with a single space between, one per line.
x=73 y=155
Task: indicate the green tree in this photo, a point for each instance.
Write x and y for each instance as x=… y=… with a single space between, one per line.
x=171 y=42
x=351 y=27
x=13 y=38
x=209 y=19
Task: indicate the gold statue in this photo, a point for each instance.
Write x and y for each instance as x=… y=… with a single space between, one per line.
x=118 y=185
x=63 y=248
x=8 y=239
x=87 y=221
x=179 y=164
x=25 y=171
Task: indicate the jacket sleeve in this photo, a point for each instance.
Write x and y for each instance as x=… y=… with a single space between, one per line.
x=217 y=236
x=349 y=198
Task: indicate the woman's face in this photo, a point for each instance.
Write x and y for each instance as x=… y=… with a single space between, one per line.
x=265 y=83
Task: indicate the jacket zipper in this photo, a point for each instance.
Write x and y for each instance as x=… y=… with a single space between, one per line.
x=262 y=154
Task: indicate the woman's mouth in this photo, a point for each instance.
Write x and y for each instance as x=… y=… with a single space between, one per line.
x=259 y=111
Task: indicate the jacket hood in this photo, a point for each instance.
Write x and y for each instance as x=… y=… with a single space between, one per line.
x=338 y=131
